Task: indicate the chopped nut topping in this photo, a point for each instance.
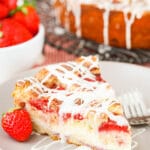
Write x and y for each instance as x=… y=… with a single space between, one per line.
x=104 y=117
x=78 y=101
x=95 y=104
x=67 y=67
x=116 y=109
x=95 y=71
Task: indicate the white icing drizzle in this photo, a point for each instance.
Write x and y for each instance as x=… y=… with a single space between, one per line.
x=129 y=22
x=135 y=7
x=75 y=7
x=67 y=23
x=57 y=13
x=89 y=92
x=106 y=23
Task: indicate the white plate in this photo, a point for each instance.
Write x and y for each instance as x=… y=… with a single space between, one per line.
x=121 y=76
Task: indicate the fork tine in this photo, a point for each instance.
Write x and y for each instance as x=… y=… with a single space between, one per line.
x=132 y=106
x=124 y=99
x=126 y=111
x=142 y=110
x=136 y=104
x=139 y=110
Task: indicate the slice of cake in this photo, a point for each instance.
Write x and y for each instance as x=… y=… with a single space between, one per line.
x=71 y=101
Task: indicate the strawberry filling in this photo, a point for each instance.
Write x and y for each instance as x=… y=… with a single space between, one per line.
x=42 y=104
x=89 y=79
x=66 y=116
x=97 y=78
x=78 y=117
x=111 y=126
x=60 y=88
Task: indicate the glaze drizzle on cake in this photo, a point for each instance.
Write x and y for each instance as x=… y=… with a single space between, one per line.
x=132 y=9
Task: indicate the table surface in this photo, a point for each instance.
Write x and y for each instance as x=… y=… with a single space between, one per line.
x=51 y=55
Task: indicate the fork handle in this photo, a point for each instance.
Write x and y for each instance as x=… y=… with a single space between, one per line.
x=137 y=121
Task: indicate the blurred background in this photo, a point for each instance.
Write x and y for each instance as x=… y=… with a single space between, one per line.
x=60 y=42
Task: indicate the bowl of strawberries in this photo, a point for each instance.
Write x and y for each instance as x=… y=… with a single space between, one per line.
x=21 y=37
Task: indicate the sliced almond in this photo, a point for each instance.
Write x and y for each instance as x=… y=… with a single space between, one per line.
x=78 y=101
x=116 y=109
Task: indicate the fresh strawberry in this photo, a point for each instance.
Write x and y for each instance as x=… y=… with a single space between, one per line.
x=28 y=16
x=17 y=124
x=3 y=11
x=12 y=33
x=11 y=4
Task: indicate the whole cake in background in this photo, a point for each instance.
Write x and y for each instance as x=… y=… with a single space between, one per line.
x=71 y=101
x=119 y=23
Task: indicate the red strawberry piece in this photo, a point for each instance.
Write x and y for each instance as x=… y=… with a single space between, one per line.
x=88 y=79
x=11 y=4
x=3 y=11
x=40 y=104
x=78 y=117
x=112 y=126
x=17 y=124
x=61 y=88
x=66 y=116
x=28 y=16
x=99 y=78
x=12 y=33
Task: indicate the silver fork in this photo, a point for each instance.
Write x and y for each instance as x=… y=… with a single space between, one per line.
x=134 y=108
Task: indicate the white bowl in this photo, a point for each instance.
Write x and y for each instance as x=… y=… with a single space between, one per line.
x=17 y=58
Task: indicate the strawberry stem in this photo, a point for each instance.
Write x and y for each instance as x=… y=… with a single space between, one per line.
x=3 y=114
x=30 y=2
x=22 y=8
x=12 y=12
